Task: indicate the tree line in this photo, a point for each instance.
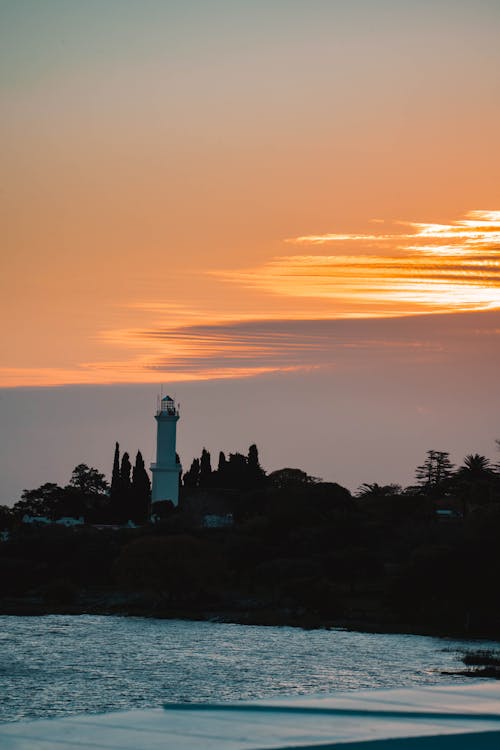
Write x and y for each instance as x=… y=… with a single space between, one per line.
x=89 y=496
x=300 y=549
x=474 y=483
x=128 y=496
x=237 y=472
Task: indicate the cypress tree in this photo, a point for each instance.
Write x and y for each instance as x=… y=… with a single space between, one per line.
x=221 y=470
x=255 y=471
x=114 y=493
x=125 y=470
x=222 y=462
x=237 y=472
x=205 y=478
x=140 y=491
x=192 y=477
x=115 y=476
x=125 y=489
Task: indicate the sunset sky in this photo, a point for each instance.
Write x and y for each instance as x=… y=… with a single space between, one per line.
x=286 y=212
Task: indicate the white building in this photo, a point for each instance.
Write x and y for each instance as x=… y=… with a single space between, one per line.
x=167 y=469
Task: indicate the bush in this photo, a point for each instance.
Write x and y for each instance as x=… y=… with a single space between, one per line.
x=59 y=591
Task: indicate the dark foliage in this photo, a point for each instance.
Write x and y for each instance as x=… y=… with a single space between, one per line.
x=424 y=558
x=115 y=489
x=191 y=478
x=205 y=475
x=434 y=473
x=140 y=492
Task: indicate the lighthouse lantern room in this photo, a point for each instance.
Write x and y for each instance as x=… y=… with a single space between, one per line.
x=167 y=469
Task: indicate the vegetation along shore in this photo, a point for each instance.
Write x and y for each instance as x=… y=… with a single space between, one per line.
x=262 y=548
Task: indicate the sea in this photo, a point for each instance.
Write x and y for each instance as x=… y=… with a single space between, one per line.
x=56 y=665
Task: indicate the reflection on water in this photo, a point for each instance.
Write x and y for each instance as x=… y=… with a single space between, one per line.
x=58 y=664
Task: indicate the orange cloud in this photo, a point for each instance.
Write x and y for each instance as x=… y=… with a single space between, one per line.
x=429 y=268
x=437 y=268
x=247 y=349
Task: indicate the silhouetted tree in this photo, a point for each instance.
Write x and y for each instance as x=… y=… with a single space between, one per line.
x=375 y=490
x=434 y=472
x=286 y=479
x=476 y=466
x=237 y=471
x=192 y=477
x=125 y=511
x=256 y=473
x=88 y=480
x=45 y=500
x=86 y=495
x=205 y=475
x=125 y=469
x=140 y=491
x=220 y=478
x=475 y=482
x=222 y=462
x=115 y=489
x=115 y=476
x=7 y=517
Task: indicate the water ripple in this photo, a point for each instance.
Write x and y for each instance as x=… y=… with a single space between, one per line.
x=58 y=665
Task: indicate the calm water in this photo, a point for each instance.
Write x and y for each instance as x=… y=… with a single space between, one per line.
x=58 y=665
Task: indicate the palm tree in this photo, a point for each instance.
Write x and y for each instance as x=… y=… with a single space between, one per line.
x=476 y=465
x=474 y=481
x=374 y=490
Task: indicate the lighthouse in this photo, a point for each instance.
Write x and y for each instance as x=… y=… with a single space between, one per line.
x=167 y=468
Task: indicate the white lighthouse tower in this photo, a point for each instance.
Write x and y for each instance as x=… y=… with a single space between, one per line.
x=167 y=468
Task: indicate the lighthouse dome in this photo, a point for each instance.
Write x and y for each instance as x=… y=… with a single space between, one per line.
x=167 y=406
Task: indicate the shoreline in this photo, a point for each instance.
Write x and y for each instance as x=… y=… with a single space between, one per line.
x=266 y=617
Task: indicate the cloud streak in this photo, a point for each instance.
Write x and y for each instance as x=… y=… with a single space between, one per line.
x=252 y=348
x=438 y=268
x=314 y=310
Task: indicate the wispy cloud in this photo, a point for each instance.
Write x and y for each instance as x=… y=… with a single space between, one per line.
x=476 y=229
x=222 y=350
x=439 y=268
x=314 y=310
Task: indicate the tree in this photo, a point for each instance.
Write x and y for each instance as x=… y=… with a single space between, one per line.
x=256 y=473
x=88 y=480
x=475 y=482
x=476 y=466
x=375 y=490
x=286 y=479
x=46 y=500
x=115 y=477
x=125 y=469
x=434 y=472
x=237 y=472
x=191 y=478
x=123 y=508
x=140 y=491
x=6 y=517
x=222 y=462
x=205 y=476
x=115 y=494
x=221 y=478
x=179 y=568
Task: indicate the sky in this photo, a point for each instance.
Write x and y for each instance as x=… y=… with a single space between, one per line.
x=285 y=213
